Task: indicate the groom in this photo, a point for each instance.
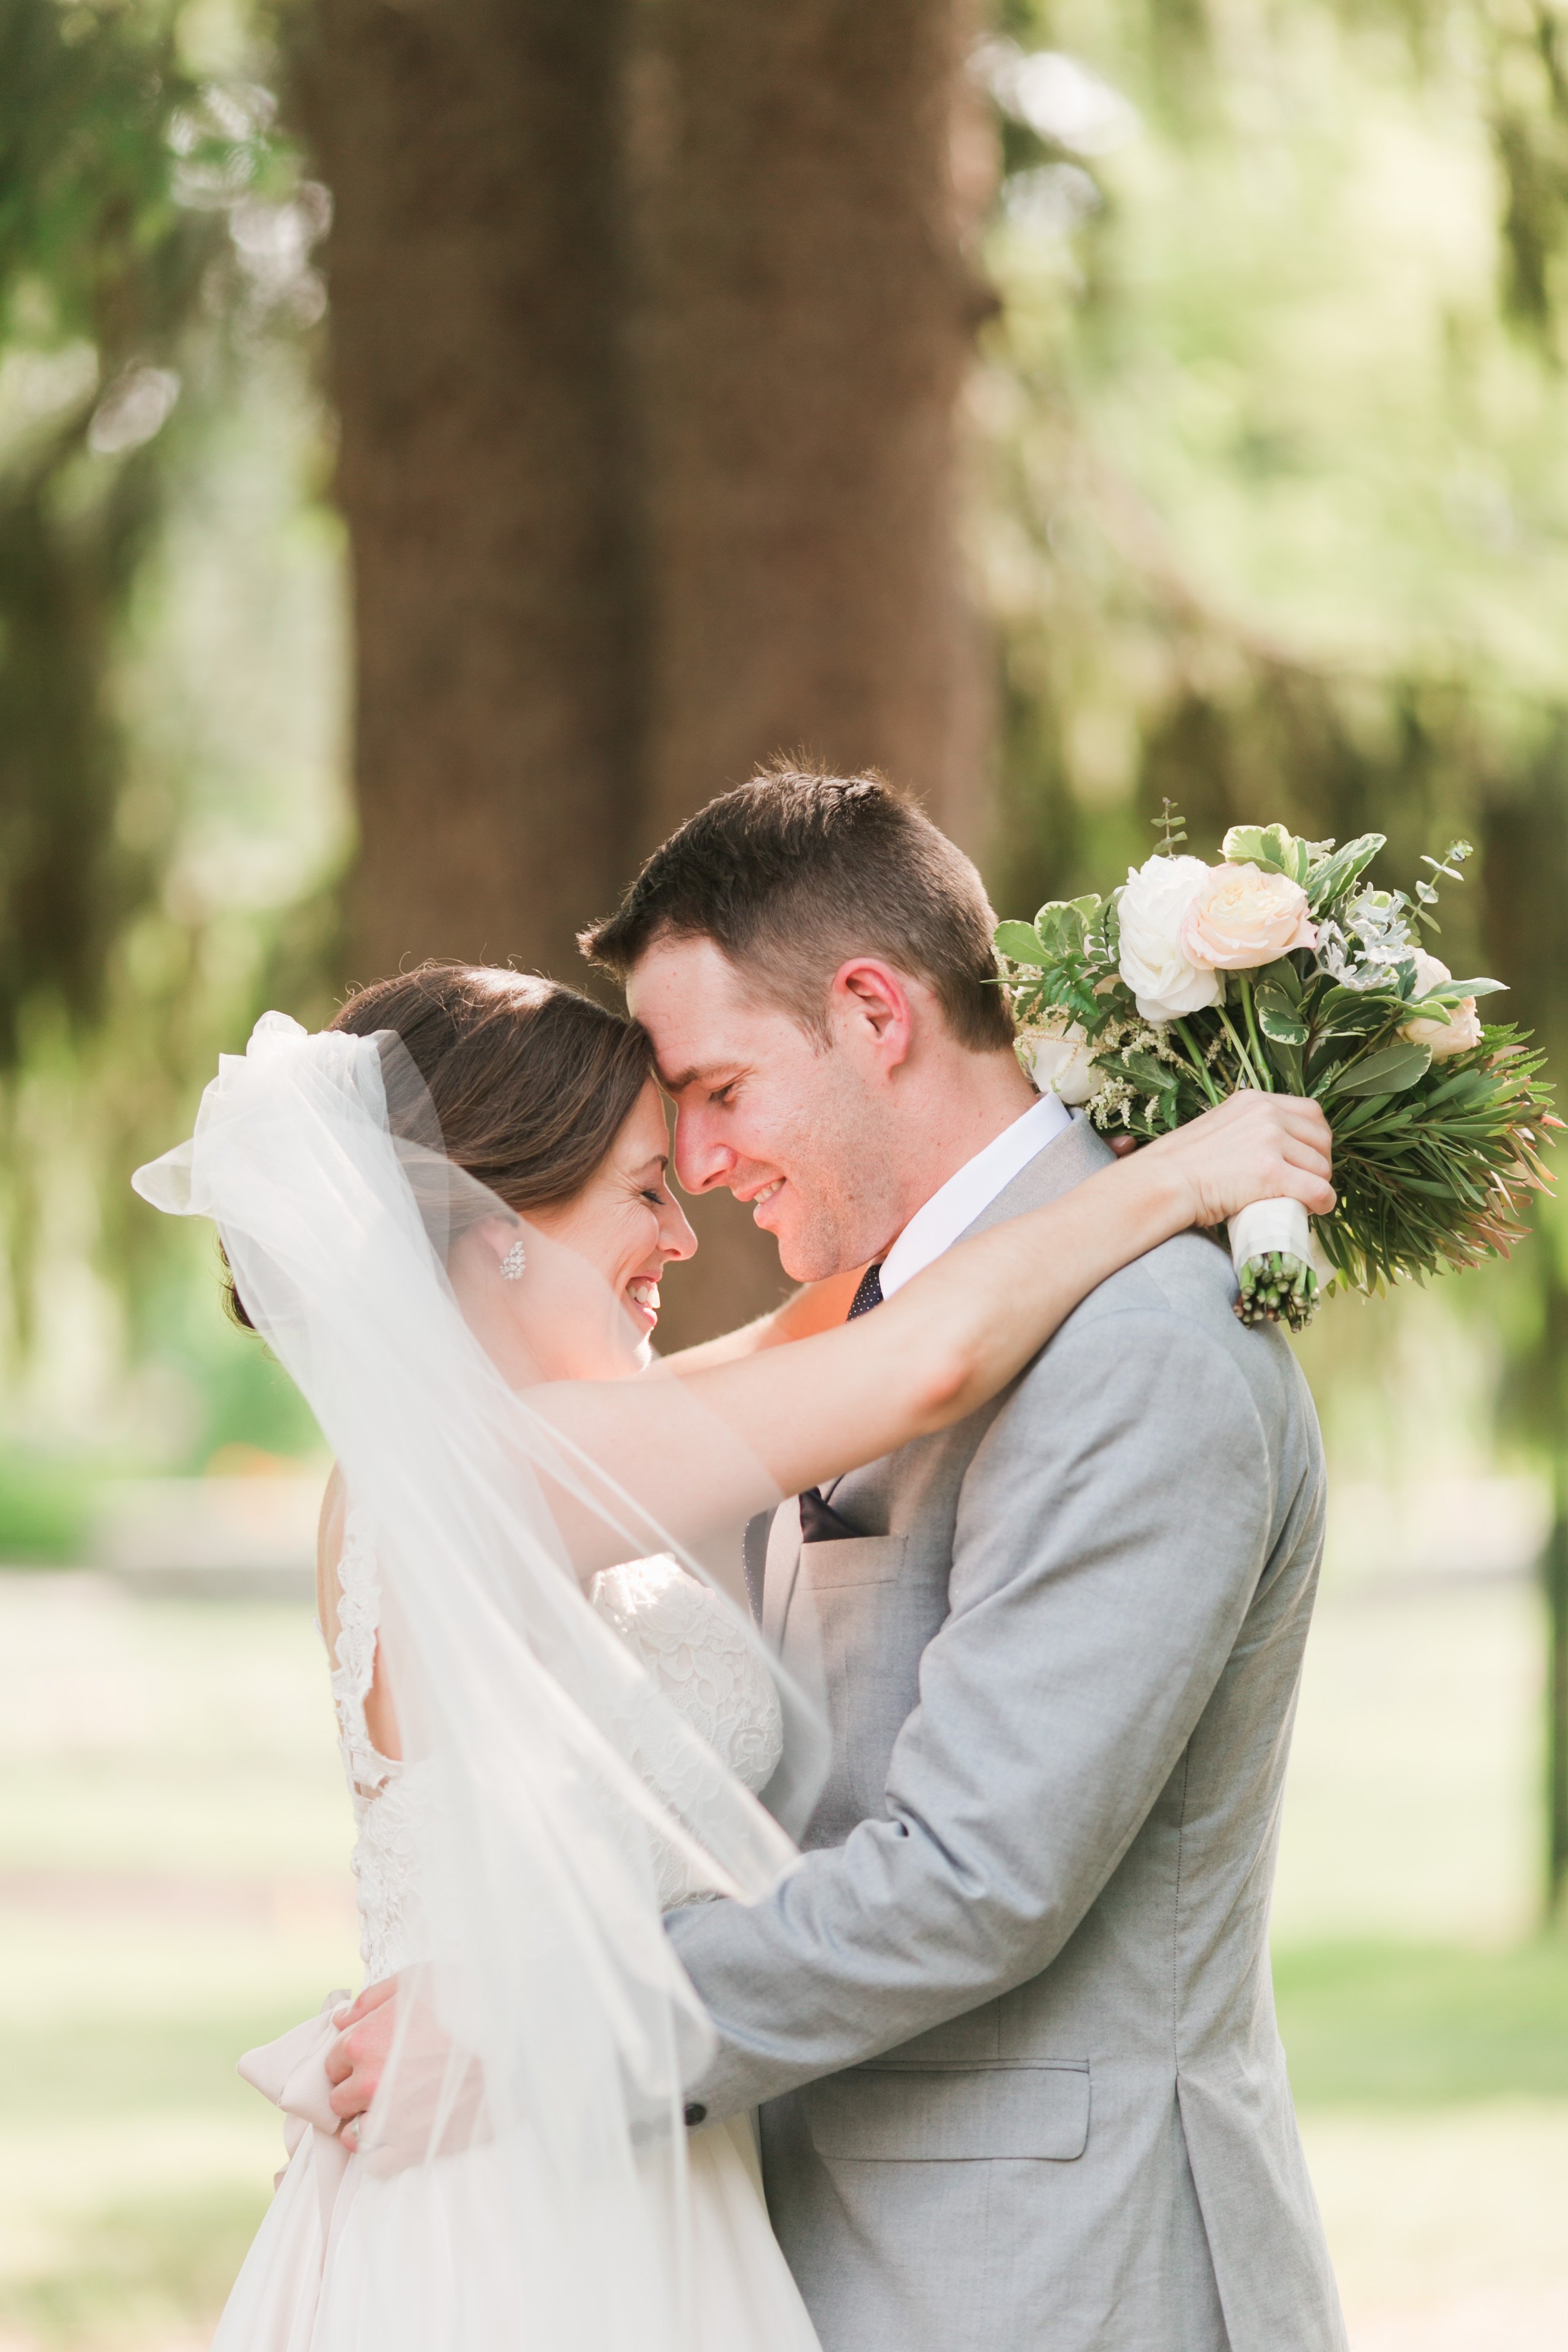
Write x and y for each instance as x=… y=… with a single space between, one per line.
x=1010 y=2022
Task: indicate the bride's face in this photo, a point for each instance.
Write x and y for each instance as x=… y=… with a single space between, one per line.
x=587 y=1303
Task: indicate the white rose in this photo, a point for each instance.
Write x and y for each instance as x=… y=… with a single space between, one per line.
x=1454 y=1035
x=1061 y=1059
x=1154 y=964
x=1242 y=917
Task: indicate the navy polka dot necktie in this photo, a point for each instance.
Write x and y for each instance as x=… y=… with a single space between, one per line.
x=869 y=1294
x=819 y=1522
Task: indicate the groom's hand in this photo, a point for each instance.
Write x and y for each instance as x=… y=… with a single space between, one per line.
x=357 y=2059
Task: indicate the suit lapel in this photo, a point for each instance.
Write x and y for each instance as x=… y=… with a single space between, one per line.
x=1052 y=1171
x=1065 y=1161
x=781 y=1569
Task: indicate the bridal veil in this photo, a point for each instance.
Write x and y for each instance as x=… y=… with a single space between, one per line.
x=544 y=2038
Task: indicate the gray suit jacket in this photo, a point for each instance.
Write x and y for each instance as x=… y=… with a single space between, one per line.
x=1012 y=2015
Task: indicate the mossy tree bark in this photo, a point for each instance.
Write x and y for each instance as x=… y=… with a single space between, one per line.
x=477 y=268
x=649 y=318
x=805 y=319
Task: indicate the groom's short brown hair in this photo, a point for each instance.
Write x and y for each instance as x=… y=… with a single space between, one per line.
x=795 y=873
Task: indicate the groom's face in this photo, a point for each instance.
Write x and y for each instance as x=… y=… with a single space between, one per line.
x=786 y=1122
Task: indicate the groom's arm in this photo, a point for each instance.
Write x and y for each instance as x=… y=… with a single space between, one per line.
x=1112 y=1528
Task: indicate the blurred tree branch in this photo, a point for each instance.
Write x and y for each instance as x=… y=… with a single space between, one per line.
x=154 y=239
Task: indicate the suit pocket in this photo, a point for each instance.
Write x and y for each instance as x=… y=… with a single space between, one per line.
x=945 y=2114
x=857 y=1609
x=851 y=1560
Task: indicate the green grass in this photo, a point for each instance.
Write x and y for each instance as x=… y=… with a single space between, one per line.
x=134 y=2164
x=178 y=1747
x=46 y=1501
x=101 y=2068
x=144 y=2266
x=1384 y=2024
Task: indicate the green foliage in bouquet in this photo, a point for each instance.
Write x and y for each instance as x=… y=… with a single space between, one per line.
x=1438 y=1120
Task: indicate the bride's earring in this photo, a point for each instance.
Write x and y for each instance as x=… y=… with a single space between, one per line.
x=513 y=1265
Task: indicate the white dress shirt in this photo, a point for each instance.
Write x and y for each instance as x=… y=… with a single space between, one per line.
x=953 y=1209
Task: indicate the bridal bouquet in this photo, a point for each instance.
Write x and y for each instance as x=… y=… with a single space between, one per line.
x=1281 y=968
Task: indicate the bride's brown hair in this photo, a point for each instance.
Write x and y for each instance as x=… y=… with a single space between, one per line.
x=530 y=1081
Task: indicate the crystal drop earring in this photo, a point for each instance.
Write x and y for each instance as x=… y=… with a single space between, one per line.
x=512 y=1265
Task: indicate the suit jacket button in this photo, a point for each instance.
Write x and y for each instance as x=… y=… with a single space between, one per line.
x=696 y=2113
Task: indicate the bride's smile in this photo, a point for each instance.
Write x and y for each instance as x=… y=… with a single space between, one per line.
x=585 y=1303
x=628 y=1226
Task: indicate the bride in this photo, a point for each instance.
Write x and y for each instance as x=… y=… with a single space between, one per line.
x=449 y=1214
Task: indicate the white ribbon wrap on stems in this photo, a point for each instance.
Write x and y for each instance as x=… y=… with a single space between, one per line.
x=1276 y=1224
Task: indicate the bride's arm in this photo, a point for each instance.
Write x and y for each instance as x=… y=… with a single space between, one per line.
x=946 y=1342
x=814 y=1307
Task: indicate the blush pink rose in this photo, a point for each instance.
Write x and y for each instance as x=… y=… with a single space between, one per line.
x=1462 y=1029
x=1242 y=917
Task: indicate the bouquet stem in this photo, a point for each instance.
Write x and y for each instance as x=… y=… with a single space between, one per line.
x=1271 y=1250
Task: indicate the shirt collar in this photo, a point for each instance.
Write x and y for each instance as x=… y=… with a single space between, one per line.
x=953 y=1209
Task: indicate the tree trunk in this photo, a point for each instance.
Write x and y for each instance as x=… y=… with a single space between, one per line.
x=804 y=322
x=649 y=324
x=478 y=286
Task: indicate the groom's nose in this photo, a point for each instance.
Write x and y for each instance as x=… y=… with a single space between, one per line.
x=703 y=1159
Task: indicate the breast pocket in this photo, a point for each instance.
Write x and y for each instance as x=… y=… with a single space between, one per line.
x=851 y=1560
x=855 y=1616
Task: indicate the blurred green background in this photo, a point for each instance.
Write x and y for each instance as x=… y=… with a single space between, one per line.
x=1256 y=496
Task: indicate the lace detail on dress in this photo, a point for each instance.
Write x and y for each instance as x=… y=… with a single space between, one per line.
x=688 y=1641
x=385 y=1795
x=683 y=1635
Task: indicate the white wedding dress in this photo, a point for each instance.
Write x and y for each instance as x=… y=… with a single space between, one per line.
x=343 y=2241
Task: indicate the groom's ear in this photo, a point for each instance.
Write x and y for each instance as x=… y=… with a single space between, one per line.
x=872 y=1009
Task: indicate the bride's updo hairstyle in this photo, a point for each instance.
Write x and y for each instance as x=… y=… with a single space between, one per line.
x=532 y=1082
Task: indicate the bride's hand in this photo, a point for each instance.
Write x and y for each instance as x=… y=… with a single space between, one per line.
x=1253 y=1147
x=357 y=2060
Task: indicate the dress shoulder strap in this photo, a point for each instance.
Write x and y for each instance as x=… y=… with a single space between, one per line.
x=354 y=1654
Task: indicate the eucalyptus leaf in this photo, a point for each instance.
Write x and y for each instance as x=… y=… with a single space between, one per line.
x=1389 y=1072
